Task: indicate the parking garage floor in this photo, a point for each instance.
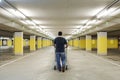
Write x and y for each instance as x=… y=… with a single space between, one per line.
x=38 y=65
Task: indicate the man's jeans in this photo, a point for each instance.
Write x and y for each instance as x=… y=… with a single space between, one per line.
x=61 y=59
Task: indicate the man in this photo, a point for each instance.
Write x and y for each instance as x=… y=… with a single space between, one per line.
x=60 y=44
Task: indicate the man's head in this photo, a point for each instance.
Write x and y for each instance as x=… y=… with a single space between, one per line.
x=59 y=33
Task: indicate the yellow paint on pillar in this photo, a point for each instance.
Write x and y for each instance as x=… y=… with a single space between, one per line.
x=18 y=45
x=39 y=43
x=76 y=43
x=82 y=43
x=88 y=43
x=73 y=43
x=43 y=43
x=94 y=43
x=28 y=42
x=0 y=42
x=102 y=43
x=112 y=43
x=24 y=41
x=9 y=42
x=32 y=43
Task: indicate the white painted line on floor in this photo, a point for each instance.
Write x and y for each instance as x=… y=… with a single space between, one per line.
x=15 y=60
x=105 y=59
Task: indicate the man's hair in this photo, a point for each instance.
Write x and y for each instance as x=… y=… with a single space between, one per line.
x=59 y=33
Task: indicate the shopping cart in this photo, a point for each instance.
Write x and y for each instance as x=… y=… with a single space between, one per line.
x=55 y=63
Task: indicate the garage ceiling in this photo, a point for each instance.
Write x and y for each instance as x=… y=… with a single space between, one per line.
x=60 y=15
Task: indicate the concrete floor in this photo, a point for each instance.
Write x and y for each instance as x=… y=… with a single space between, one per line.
x=39 y=66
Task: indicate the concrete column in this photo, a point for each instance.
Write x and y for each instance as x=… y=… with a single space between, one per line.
x=39 y=42
x=77 y=42
x=18 y=43
x=0 y=42
x=44 y=42
x=82 y=43
x=9 y=42
x=88 y=43
x=102 y=43
x=32 y=43
x=24 y=42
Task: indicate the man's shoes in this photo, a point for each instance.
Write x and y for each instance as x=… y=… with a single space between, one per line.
x=59 y=70
x=63 y=69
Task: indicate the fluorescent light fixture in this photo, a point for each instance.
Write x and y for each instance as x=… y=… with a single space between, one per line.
x=106 y=12
x=87 y=27
x=68 y=37
x=32 y=27
x=20 y=15
x=76 y=31
x=117 y=11
x=91 y=22
x=23 y=22
x=83 y=21
x=30 y=22
x=17 y=13
x=4 y=38
x=40 y=28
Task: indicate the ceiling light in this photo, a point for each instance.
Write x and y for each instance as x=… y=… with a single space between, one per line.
x=23 y=22
x=91 y=22
x=106 y=12
x=30 y=22
x=87 y=27
x=32 y=27
x=83 y=21
x=68 y=37
x=17 y=13
x=117 y=11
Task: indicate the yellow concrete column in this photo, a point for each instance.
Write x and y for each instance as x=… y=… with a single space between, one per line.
x=32 y=43
x=112 y=43
x=18 y=43
x=71 y=43
x=44 y=42
x=88 y=43
x=82 y=43
x=0 y=42
x=24 y=42
x=9 y=42
x=94 y=43
x=77 y=42
x=102 y=43
x=39 y=42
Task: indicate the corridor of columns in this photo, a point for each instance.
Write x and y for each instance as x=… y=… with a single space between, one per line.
x=91 y=29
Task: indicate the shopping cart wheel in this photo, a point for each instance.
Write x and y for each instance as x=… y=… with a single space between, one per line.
x=66 y=67
x=55 y=67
